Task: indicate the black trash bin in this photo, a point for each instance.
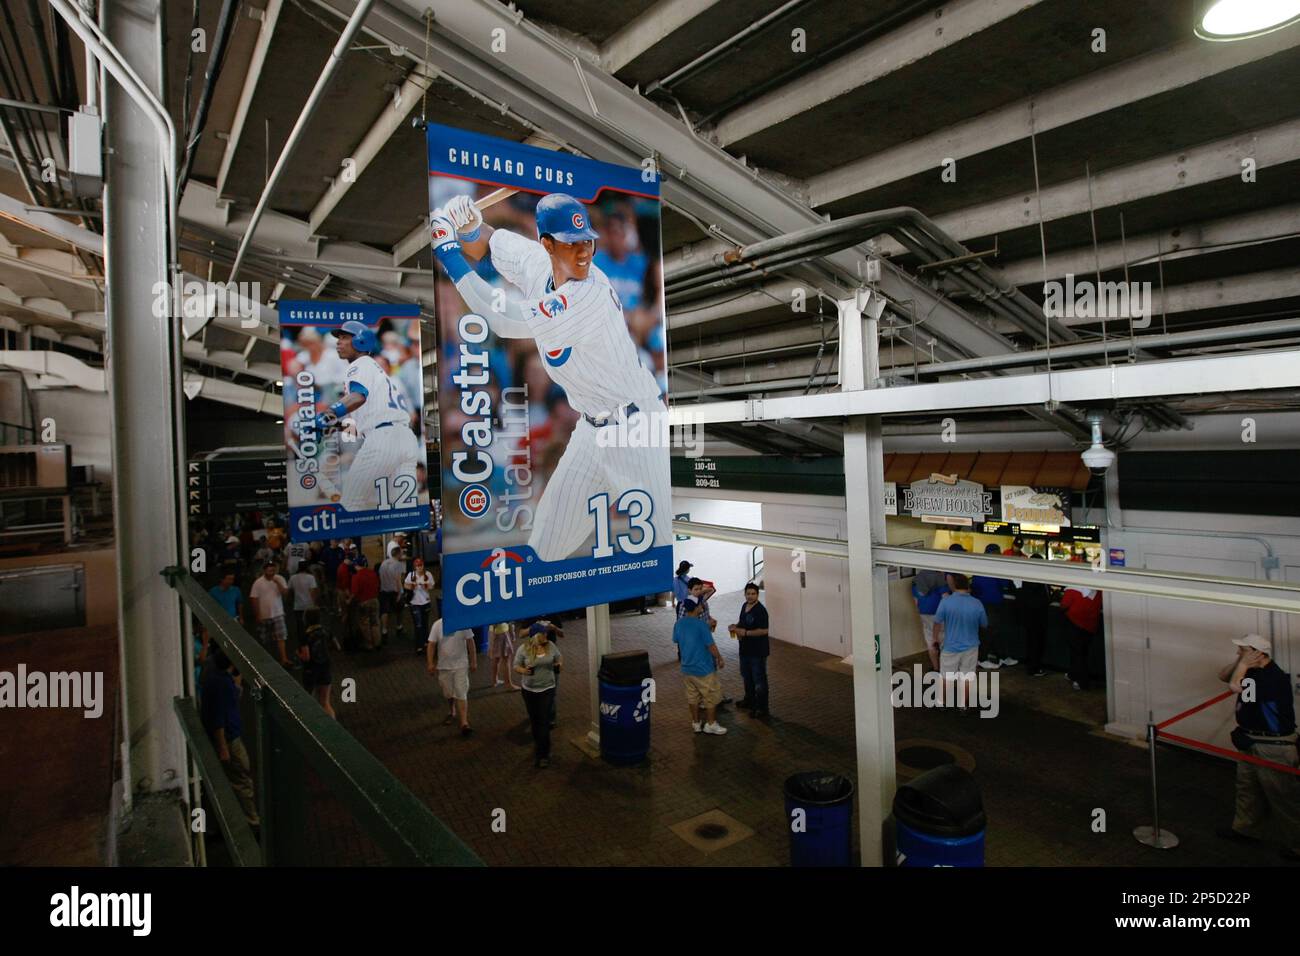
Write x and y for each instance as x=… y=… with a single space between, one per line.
x=939 y=819
x=624 y=707
x=819 y=812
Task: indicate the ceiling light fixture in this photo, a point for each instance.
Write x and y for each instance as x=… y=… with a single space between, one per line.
x=1243 y=19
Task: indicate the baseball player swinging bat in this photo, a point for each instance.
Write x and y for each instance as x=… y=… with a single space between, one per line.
x=574 y=316
x=382 y=474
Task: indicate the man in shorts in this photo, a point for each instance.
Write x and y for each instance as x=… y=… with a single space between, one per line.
x=452 y=657
x=701 y=662
x=267 y=595
x=957 y=626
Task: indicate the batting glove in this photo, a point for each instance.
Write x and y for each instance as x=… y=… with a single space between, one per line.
x=326 y=422
x=446 y=247
x=465 y=216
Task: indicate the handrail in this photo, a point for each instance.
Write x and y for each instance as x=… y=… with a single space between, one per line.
x=244 y=848
x=398 y=821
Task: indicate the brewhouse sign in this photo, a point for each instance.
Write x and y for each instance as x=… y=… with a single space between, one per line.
x=943 y=500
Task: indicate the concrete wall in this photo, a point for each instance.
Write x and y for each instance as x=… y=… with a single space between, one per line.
x=1190 y=641
x=82 y=420
x=724 y=563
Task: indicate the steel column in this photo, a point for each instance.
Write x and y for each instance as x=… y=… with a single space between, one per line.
x=598 y=644
x=143 y=363
x=868 y=589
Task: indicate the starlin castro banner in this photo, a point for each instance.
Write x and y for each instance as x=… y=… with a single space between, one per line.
x=353 y=419
x=552 y=373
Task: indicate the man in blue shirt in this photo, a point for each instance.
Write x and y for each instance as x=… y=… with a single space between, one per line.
x=751 y=631
x=957 y=625
x=989 y=592
x=701 y=662
x=220 y=715
x=1265 y=729
x=681 y=583
x=228 y=595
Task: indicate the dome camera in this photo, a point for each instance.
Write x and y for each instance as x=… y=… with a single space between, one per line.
x=1097 y=456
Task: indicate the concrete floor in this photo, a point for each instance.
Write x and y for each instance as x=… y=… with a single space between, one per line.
x=1043 y=764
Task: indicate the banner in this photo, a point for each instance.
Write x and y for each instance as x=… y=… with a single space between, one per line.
x=937 y=500
x=1042 y=510
x=556 y=489
x=353 y=419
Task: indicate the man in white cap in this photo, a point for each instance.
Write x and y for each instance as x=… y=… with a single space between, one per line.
x=1265 y=729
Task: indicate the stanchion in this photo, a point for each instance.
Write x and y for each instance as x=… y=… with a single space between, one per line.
x=1152 y=835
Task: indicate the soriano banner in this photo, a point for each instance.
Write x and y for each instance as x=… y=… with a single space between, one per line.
x=353 y=419
x=552 y=370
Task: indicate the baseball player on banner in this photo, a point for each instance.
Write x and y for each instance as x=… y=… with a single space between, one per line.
x=570 y=310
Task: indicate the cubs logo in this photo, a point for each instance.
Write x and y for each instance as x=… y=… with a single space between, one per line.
x=475 y=501
x=308 y=481
x=553 y=306
x=557 y=357
x=579 y=221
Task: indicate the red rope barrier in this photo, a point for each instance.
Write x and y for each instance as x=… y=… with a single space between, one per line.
x=1233 y=754
x=1199 y=707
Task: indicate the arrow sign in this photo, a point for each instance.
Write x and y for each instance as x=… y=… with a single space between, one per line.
x=194 y=466
x=194 y=480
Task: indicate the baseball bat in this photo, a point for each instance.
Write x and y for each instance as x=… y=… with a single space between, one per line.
x=492 y=198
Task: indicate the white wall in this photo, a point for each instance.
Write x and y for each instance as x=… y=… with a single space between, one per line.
x=1190 y=641
x=82 y=420
x=811 y=609
x=724 y=563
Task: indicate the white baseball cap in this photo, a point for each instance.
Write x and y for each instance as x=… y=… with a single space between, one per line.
x=1257 y=641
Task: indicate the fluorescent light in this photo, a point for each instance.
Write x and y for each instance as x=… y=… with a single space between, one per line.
x=1243 y=19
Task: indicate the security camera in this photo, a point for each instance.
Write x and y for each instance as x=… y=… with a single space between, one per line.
x=1097 y=456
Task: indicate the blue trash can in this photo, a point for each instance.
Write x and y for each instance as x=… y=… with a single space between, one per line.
x=819 y=812
x=481 y=638
x=939 y=820
x=624 y=707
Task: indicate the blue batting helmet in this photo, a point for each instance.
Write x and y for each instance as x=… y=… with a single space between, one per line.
x=363 y=339
x=564 y=218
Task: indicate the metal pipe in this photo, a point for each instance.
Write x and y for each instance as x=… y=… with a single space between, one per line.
x=704 y=59
x=224 y=21
x=1090 y=349
x=309 y=108
x=104 y=51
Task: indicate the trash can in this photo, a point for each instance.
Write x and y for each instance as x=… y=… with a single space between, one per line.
x=482 y=638
x=819 y=812
x=939 y=819
x=624 y=707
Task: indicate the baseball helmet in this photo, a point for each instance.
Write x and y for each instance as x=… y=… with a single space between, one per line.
x=363 y=339
x=564 y=218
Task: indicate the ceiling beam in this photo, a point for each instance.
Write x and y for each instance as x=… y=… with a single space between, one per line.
x=1219 y=161
x=1194 y=239
x=252 y=75
x=551 y=87
x=1097 y=92
x=650 y=28
x=381 y=130
x=911 y=43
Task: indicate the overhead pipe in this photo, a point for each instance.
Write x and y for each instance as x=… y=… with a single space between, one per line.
x=308 y=110
x=919 y=234
x=1092 y=349
x=104 y=51
x=225 y=19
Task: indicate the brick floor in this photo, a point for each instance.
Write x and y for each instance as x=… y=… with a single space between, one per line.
x=1042 y=775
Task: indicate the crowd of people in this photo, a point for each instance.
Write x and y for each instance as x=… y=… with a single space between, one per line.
x=967 y=622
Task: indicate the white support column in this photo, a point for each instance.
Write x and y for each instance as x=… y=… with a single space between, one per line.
x=143 y=366
x=598 y=645
x=868 y=588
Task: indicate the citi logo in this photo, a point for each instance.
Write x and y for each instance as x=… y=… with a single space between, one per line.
x=323 y=518
x=553 y=306
x=557 y=357
x=497 y=580
x=475 y=501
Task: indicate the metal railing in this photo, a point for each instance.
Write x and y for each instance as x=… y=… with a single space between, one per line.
x=293 y=739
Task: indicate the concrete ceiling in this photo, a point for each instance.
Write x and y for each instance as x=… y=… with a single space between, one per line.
x=861 y=118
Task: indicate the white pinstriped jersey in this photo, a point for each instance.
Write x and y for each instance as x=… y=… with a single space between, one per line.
x=579 y=329
x=384 y=400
